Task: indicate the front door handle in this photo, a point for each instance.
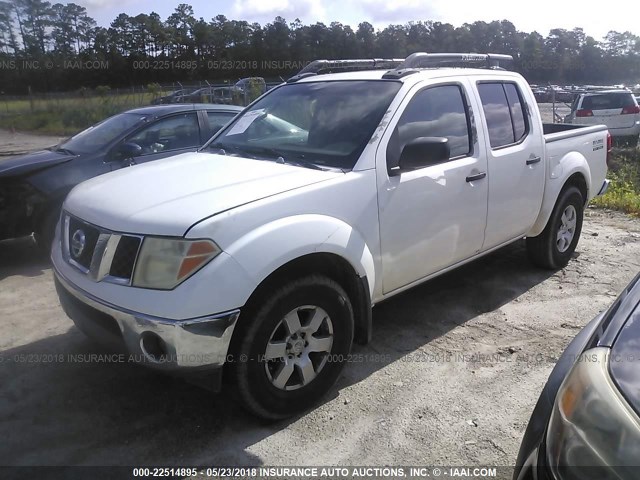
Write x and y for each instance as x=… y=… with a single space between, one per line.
x=477 y=176
x=533 y=160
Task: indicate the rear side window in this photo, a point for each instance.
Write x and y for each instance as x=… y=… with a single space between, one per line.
x=517 y=111
x=607 y=101
x=433 y=112
x=505 y=113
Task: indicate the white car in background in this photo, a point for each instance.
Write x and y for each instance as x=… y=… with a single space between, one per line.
x=617 y=109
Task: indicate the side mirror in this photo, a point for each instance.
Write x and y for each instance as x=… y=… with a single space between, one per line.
x=126 y=151
x=422 y=152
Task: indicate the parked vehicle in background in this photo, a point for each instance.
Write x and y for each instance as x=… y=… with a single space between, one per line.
x=200 y=95
x=33 y=186
x=172 y=97
x=541 y=95
x=242 y=92
x=255 y=85
x=222 y=95
x=586 y=423
x=267 y=249
x=617 y=109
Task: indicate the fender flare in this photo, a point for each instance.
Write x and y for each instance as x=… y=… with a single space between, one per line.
x=262 y=251
x=560 y=172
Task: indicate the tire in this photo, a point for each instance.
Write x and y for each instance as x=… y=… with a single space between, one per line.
x=271 y=381
x=45 y=232
x=548 y=250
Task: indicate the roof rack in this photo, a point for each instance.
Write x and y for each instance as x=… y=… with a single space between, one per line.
x=402 y=67
x=427 y=60
x=332 y=66
x=435 y=60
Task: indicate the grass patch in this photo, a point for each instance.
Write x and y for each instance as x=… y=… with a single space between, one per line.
x=624 y=191
x=66 y=115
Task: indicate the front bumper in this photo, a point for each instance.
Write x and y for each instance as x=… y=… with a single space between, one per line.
x=165 y=344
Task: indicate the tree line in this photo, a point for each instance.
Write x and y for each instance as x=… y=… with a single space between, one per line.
x=57 y=47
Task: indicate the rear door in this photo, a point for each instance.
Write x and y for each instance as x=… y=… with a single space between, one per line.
x=515 y=152
x=615 y=110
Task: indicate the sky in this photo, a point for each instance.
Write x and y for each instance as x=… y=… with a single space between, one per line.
x=541 y=15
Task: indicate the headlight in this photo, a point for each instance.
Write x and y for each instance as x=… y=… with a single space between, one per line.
x=592 y=425
x=164 y=263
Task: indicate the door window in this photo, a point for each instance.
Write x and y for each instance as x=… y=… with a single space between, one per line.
x=172 y=133
x=433 y=112
x=505 y=113
x=517 y=111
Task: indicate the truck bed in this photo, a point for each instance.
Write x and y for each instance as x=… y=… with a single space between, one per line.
x=559 y=131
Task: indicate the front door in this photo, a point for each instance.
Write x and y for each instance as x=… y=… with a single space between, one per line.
x=163 y=138
x=433 y=217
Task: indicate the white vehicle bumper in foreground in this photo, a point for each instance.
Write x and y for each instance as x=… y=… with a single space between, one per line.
x=165 y=344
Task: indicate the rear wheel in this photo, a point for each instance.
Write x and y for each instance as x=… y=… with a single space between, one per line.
x=293 y=347
x=552 y=249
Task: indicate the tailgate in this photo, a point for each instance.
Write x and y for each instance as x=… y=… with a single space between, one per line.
x=613 y=118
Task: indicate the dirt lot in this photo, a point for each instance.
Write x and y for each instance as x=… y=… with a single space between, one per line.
x=17 y=143
x=409 y=408
x=503 y=321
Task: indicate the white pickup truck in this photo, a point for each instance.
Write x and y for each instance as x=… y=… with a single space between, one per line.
x=265 y=252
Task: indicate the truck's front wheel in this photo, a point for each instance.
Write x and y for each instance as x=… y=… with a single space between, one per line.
x=553 y=248
x=293 y=347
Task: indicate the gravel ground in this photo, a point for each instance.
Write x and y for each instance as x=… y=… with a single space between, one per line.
x=430 y=398
x=16 y=143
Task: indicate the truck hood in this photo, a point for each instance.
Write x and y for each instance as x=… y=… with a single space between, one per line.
x=167 y=197
x=25 y=164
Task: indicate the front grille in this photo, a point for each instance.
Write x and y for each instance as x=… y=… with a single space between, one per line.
x=82 y=241
x=100 y=254
x=125 y=257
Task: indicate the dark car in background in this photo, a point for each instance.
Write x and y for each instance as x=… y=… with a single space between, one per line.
x=33 y=186
x=219 y=95
x=586 y=424
x=173 y=97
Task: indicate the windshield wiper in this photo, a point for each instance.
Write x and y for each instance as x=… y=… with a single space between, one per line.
x=224 y=149
x=281 y=158
x=273 y=154
x=62 y=150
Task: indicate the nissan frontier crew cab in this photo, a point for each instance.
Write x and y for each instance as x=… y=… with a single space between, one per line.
x=265 y=251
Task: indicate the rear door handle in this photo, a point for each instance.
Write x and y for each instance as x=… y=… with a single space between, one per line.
x=477 y=176
x=533 y=160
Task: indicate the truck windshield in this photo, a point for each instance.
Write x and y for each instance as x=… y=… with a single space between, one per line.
x=314 y=124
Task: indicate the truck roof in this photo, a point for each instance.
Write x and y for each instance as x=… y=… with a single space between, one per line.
x=420 y=74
